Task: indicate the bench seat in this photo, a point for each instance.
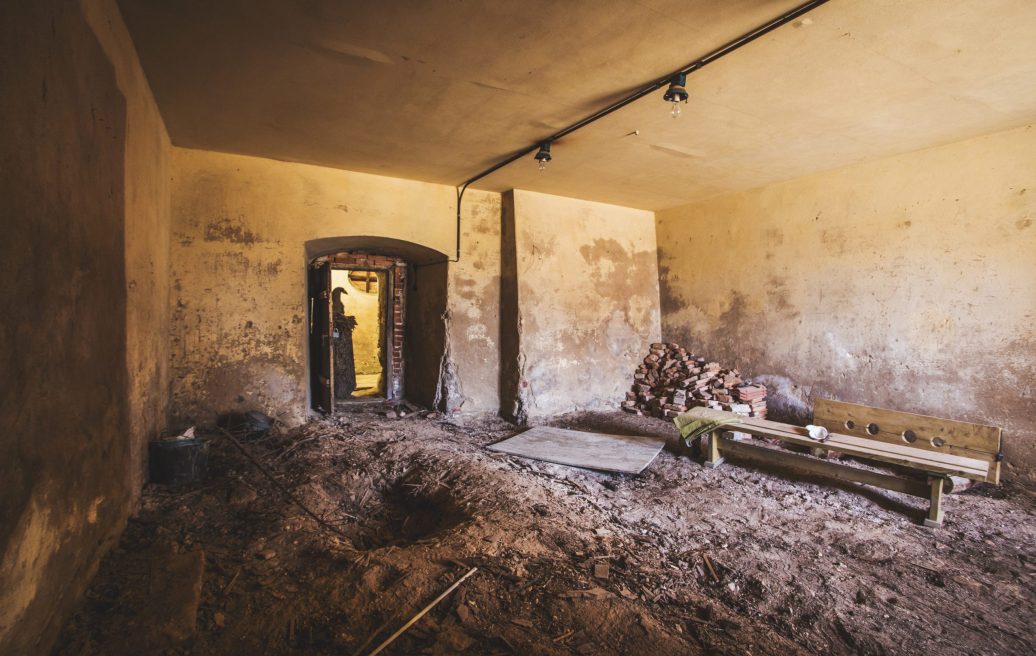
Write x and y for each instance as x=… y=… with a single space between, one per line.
x=858 y=447
x=936 y=465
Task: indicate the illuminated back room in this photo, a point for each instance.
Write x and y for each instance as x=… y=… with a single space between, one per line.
x=633 y=327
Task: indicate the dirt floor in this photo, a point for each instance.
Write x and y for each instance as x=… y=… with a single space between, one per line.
x=569 y=561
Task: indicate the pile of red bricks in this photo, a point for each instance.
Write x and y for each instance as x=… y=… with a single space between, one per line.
x=671 y=380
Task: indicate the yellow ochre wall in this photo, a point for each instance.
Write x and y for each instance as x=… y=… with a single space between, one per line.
x=240 y=224
x=905 y=283
x=586 y=297
x=84 y=155
x=146 y=236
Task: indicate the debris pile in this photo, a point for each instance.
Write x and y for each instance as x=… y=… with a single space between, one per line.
x=671 y=380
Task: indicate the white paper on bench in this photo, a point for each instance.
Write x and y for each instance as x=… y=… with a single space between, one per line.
x=629 y=454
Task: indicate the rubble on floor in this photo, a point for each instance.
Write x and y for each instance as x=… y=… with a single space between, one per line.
x=671 y=380
x=678 y=560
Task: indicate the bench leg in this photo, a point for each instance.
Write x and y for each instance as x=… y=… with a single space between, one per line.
x=714 y=459
x=934 y=518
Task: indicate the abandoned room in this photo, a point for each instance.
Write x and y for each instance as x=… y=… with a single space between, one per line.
x=536 y=328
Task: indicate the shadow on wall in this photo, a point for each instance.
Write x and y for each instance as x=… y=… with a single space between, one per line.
x=429 y=372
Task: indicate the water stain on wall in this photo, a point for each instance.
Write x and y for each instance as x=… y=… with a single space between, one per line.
x=230 y=230
x=913 y=296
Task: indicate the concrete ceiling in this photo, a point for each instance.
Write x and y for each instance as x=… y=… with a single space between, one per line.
x=438 y=91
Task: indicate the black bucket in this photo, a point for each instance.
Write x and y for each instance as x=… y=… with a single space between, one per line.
x=178 y=462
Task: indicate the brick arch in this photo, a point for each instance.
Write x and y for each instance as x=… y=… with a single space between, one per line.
x=411 y=252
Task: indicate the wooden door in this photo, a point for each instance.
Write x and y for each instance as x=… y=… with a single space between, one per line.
x=321 y=329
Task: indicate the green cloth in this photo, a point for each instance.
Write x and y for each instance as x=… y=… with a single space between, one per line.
x=697 y=421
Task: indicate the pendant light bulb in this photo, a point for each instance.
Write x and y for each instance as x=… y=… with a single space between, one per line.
x=676 y=93
x=543 y=156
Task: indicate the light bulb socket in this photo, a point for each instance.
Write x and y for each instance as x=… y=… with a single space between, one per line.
x=543 y=156
x=676 y=91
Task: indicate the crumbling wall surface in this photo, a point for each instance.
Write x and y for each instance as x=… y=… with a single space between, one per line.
x=66 y=489
x=474 y=310
x=147 y=233
x=905 y=283
x=240 y=225
x=587 y=300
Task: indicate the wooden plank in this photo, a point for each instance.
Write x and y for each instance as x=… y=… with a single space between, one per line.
x=958 y=438
x=714 y=460
x=825 y=468
x=615 y=453
x=928 y=461
x=851 y=445
x=935 y=514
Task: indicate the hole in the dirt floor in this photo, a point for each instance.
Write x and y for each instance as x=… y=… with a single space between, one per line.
x=405 y=514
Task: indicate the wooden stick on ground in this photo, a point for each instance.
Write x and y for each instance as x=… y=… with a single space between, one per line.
x=712 y=570
x=284 y=490
x=413 y=620
x=384 y=625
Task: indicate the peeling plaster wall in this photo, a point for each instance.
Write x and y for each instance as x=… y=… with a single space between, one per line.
x=82 y=151
x=473 y=303
x=240 y=224
x=585 y=279
x=905 y=283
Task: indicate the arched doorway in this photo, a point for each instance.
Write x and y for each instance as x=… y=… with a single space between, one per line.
x=375 y=319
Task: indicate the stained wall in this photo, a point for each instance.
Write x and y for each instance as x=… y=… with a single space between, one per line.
x=582 y=298
x=240 y=225
x=904 y=283
x=587 y=275
x=472 y=374
x=81 y=189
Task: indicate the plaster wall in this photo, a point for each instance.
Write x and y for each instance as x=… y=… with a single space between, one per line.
x=905 y=283
x=585 y=282
x=147 y=230
x=81 y=186
x=240 y=224
x=471 y=380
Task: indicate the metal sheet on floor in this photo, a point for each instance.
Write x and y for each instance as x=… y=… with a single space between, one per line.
x=629 y=454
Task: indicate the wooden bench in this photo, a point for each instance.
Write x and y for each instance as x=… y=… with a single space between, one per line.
x=938 y=448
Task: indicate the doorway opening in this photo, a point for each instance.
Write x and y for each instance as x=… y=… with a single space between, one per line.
x=358 y=312
x=356 y=328
x=395 y=292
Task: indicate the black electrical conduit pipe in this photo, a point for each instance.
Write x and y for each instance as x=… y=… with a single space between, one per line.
x=697 y=64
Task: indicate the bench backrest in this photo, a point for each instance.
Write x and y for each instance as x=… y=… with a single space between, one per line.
x=919 y=431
